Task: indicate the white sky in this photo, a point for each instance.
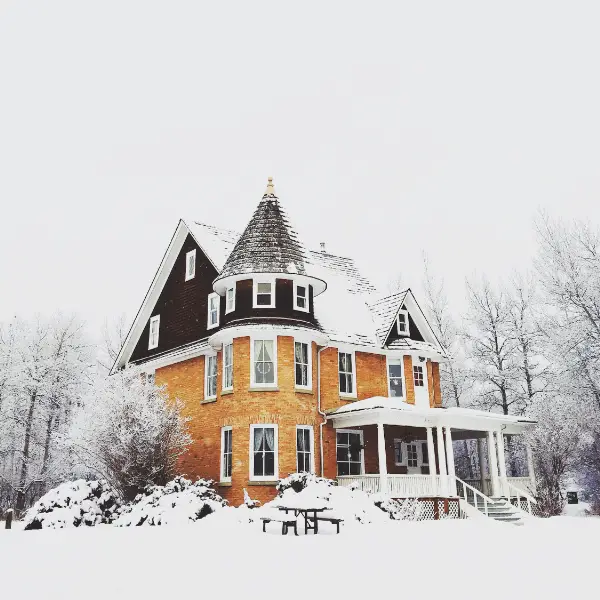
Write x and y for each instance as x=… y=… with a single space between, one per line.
x=389 y=130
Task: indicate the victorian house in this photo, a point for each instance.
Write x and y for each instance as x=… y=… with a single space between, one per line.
x=287 y=359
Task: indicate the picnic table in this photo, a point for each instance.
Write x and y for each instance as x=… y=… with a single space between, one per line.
x=308 y=511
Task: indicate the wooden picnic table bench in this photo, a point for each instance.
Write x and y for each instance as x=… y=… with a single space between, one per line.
x=285 y=521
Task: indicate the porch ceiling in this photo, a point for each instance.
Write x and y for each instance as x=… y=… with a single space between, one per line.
x=392 y=411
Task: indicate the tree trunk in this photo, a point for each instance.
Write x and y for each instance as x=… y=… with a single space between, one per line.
x=20 y=504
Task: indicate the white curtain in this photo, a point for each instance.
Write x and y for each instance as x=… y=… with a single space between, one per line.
x=270 y=437
x=259 y=435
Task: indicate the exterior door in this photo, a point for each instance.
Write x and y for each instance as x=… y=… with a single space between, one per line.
x=413 y=465
x=420 y=381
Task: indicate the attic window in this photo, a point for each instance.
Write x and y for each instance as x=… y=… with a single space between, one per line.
x=403 y=322
x=264 y=294
x=190 y=265
x=301 y=297
x=153 y=332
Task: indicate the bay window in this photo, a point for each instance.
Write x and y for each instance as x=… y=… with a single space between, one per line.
x=263 y=452
x=264 y=362
x=302 y=365
x=210 y=376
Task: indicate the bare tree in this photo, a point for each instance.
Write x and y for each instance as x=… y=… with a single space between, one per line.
x=113 y=338
x=453 y=372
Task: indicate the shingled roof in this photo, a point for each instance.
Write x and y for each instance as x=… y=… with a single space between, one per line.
x=268 y=244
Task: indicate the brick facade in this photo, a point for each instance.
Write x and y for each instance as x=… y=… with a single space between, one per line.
x=286 y=407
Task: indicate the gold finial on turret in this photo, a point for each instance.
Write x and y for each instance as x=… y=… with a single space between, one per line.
x=270 y=188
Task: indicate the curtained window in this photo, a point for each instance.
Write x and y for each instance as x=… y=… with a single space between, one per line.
x=302 y=364
x=304 y=445
x=346 y=372
x=349 y=452
x=227 y=453
x=264 y=362
x=264 y=452
x=210 y=375
x=227 y=366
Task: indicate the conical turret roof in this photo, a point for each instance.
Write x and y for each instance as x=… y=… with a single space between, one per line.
x=268 y=244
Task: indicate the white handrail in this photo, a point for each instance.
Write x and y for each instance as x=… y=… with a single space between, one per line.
x=476 y=493
x=519 y=493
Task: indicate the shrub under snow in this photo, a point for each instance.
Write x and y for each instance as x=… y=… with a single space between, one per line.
x=299 y=481
x=72 y=504
x=178 y=502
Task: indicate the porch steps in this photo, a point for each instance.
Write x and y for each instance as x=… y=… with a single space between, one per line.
x=500 y=510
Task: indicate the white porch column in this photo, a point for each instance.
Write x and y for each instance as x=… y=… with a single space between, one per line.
x=502 y=463
x=442 y=461
x=450 y=458
x=383 y=479
x=481 y=466
x=431 y=454
x=493 y=463
x=530 y=468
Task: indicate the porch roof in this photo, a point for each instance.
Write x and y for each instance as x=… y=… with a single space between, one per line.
x=394 y=411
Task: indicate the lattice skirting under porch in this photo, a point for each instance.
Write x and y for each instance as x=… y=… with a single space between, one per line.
x=438 y=508
x=522 y=504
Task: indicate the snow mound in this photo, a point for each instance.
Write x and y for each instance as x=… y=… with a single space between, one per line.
x=179 y=502
x=351 y=505
x=72 y=504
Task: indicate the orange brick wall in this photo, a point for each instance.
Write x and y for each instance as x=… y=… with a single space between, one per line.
x=285 y=407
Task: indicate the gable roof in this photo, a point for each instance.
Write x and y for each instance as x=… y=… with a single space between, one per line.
x=385 y=310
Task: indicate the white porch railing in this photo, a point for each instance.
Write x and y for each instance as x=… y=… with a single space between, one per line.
x=399 y=486
x=524 y=484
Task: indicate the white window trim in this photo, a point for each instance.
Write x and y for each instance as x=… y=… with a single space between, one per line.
x=311 y=443
x=230 y=310
x=253 y=383
x=251 y=454
x=309 y=370
x=226 y=389
x=296 y=307
x=208 y=323
x=189 y=275
x=255 y=283
x=362 y=452
x=155 y=319
x=206 y=359
x=223 y=430
x=407 y=332
x=389 y=361
x=354 y=382
x=404 y=462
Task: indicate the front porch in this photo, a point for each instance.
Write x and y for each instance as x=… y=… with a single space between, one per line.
x=384 y=445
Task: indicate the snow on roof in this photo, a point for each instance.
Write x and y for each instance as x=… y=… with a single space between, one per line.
x=216 y=243
x=384 y=311
x=381 y=402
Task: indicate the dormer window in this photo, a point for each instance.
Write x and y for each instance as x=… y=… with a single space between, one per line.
x=230 y=299
x=403 y=323
x=213 y=311
x=153 y=332
x=264 y=294
x=301 y=297
x=190 y=265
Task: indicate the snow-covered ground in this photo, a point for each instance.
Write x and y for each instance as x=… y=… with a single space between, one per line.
x=550 y=558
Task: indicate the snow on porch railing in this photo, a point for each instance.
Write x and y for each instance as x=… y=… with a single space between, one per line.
x=522 y=483
x=512 y=491
x=399 y=486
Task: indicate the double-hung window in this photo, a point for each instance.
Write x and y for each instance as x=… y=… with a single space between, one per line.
x=228 y=366
x=263 y=452
x=210 y=376
x=346 y=373
x=301 y=297
x=226 y=453
x=230 y=299
x=302 y=366
x=403 y=328
x=214 y=302
x=153 y=332
x=190 y=265
x=395 y=378
x=264 y=294
x=304 y=449
x=264 y=362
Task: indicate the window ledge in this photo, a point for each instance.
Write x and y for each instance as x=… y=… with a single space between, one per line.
x=271 y=483
x=209 y=400
x=348 y=398
x=224 y=484
x=253 y=388
x=300 y=390
x=226 y=392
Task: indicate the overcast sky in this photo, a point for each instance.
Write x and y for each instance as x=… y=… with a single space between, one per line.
x=389 y=130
